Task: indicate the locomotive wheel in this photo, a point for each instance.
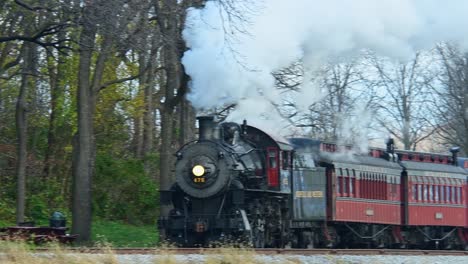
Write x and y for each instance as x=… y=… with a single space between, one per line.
x=217 y=179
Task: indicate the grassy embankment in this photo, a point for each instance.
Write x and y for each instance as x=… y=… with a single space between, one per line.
x=117 y=234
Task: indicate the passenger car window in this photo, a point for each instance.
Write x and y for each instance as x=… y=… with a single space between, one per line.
x=447 y=193
x=419 y=192
x=442 y=194
x=338 y=183
x=350 y=182
x=345 y=181
x=460 y=195
x=454 y=195
x=431 y=193
x=425 y=192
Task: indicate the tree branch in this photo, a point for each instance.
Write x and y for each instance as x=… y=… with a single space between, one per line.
x=130 y=78
x=117 y=81
x=32 y=8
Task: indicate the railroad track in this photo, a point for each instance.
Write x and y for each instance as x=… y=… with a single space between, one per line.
x=269 y=251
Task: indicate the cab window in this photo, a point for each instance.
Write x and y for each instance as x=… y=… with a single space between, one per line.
x=272 y=159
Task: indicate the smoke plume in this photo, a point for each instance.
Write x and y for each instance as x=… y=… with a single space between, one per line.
x=228 y=65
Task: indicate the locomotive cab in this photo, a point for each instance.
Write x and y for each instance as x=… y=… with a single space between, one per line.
x=277 y=159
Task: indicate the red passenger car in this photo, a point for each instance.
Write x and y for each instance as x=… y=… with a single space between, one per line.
x=435 y=205
x=408 y=199
x=435 y=191
x=363 y=189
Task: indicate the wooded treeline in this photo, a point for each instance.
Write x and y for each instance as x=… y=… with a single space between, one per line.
x=97 y=89
x=92 y=105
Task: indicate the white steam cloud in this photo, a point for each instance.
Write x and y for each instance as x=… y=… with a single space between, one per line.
x=283 y=32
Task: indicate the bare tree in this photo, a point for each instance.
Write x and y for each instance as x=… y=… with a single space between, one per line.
x=339 y=93
x=403 y=105
x=343 y=97
x=449 y=101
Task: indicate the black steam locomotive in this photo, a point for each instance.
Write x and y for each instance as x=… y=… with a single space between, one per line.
x=237 y=183
x=231 y=185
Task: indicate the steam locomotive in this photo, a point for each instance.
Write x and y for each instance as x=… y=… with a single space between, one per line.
x=238 y=183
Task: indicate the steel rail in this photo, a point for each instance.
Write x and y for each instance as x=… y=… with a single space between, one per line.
x=263 y=251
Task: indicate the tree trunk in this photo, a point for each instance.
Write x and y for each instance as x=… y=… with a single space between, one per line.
x=22 y=129
x=140 y=118
x=406 y=112
x=465 y=141
x=87 y=95
x=83 y=147
x=168 y=18
x=148 y=113
x=167 y=122
x=187 y=122
x=57 y=93
x=138 y=136
x=465 y=107
x=148 y=119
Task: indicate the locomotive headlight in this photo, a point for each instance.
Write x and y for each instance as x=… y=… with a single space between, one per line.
x=198 y=170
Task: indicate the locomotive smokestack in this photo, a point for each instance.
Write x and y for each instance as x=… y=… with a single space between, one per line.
x=244 y=127
x=206 y=125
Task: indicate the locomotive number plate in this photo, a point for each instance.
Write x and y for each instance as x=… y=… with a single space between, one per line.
x=199 y=180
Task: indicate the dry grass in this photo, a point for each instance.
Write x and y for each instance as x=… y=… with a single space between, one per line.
x=163 y=255
x=22 y=253
x=236 y=255
x=232 y=255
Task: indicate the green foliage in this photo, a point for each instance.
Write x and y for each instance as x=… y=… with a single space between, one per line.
x=43 y=198
x=122 y=190
x=124 y=235
x=7 y=199
x=7 y=212
x=151 y=161
x=41 y=205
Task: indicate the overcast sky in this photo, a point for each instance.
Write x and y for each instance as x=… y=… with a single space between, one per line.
x=229 y=66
